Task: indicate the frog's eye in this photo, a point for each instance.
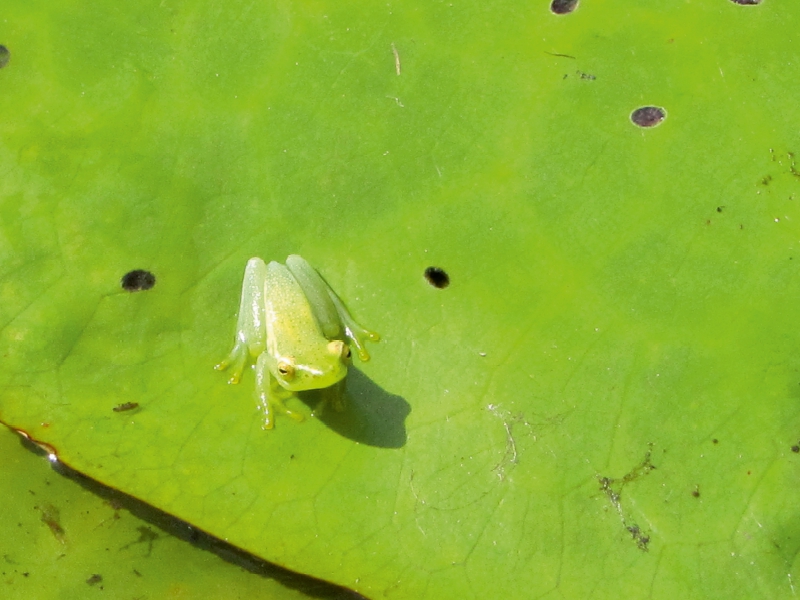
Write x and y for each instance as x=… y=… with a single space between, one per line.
x=286 y=369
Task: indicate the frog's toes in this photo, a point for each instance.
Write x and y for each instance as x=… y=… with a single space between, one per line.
x=357 y=338
x=238 y=368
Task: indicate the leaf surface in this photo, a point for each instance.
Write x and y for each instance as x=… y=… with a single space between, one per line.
x=604 y=400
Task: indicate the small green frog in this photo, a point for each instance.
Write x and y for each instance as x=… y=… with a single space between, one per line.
x=297 y=330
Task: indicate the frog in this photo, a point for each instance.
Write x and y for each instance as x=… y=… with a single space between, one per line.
x=297 y=332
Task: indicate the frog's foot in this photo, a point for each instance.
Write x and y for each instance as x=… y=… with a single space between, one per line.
x=271 y=404
x=357 y=335
x=332 y=396
x=270 y=396
x=319 y=409
x=236 y=359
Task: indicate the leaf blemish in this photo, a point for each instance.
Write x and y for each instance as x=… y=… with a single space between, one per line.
x=52 y=518
x=648 y=116
x=612 y=488
x=146 y=536
x=510 y=455
x=138 y=280
x=437 y=277
x=560 y=55
x=5 y=56
x=396 y=59
x=563 y=7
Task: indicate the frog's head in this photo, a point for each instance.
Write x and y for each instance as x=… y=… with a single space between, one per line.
x=312 y=370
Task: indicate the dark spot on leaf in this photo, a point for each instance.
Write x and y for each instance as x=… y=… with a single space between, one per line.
x=51 y=518
x=94 y=579
x=720 y=208
x=715 y=441
x=613 y=489
x=125 y=406
x=563 y=7
x=437 y=277
x=135 y=572
x=5 y=56
x=639 y=537
x=696 y=491
x=146 y=536
x=648 y=116
x=557 y=54
x=746 y=2
x=795 y=448
x=138 y=280
x=766 y=179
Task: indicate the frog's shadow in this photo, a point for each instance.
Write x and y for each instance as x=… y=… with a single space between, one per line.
x=371 y=416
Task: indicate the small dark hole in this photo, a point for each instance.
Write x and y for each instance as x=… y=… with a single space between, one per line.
x=563 y=7
x=437 y=277
x=5 y=56
x=138 y=280
x=746 y=2
x=795 y=449
x=648 y=116
x=715 y=441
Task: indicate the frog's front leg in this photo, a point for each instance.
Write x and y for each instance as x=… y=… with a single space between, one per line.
x=251 y=333
x=270 y=395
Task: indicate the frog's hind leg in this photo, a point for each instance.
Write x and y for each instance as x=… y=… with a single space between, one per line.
x=270 y=395
x=251 y=333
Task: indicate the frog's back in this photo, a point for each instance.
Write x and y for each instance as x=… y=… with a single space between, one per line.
x=288 y=313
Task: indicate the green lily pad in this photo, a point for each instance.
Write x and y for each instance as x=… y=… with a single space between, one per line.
x=603 y=401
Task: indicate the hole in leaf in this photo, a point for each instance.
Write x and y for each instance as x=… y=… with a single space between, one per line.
x=5 y=56
x=437 y=277
x=138 y=280
x=746 y=2
x=563 y=7
x=795 y=449
x=648 y=116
